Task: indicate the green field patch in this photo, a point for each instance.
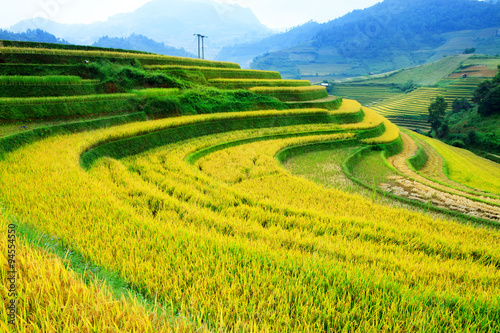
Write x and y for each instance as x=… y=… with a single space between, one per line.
x=293 y=93
x=43 y=107
x=59 y=56
x=218 y=73
x=250 y=83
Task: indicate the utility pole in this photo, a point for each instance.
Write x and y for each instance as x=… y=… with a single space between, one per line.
x=202 y=55
x=203 y=46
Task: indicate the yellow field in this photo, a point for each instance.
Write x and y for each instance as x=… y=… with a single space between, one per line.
x=54 y=299
x=191 y=224
x=236 y=243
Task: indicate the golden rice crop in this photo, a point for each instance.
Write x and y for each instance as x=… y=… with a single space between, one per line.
x=51 y=298
x=263 y=251
x=390 y=134
x=370 y=120
x=349 y=106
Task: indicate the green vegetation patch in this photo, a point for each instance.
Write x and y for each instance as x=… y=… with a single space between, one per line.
x=57 y=56
x=27 y=69
x=9 y=91
x=249 y=83
x=44 y=107
x=12 y=142
x=293 y=93
x=219 y=73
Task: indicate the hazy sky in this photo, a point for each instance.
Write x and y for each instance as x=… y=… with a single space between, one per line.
x=273 y=13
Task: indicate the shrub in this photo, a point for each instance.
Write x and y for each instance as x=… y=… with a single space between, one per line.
x=491 y=103
x=473 y=137
x=460 y=104
x=163 y=107
x=458 y=143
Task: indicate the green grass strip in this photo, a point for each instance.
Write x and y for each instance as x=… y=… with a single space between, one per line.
x=250 y=83
x=15 y=54
x=40 y=80
x=15 y=141
x=218 y=73
x=289 y=94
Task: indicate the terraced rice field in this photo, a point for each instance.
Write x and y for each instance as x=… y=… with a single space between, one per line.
x=365 y=94
x=414 y=103
x=191 y=224
x=405 y=110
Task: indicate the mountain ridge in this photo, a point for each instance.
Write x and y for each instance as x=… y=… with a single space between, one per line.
x=169 y=21
x=387 y=36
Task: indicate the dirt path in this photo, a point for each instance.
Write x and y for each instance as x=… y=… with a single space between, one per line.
x=426 y=191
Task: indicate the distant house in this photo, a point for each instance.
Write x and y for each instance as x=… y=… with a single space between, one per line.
x=464 y=76
x=324 y=84
x=371 y=73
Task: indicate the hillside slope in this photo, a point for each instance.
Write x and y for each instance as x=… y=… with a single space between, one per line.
x=389 y=36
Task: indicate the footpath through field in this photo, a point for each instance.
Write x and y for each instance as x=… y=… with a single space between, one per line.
x=419 y=188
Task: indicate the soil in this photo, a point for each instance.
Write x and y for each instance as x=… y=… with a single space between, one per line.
x=475 y=71
x=423 y=190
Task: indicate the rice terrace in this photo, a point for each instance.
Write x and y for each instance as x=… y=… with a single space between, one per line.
x=150 y=193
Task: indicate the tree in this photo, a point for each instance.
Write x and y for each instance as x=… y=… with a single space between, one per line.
x=437 y=111
x=460 y=104
x=407 y=87
x=487 y=95
x=443 y=130
x=491 y=103
x=482 y=91
x=470 y=50
x=473 y=137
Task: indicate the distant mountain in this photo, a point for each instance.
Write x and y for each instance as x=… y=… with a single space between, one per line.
x=244 y=53
x=169 y=21
x=36 y=35
x=141 y=43
x=389 y=35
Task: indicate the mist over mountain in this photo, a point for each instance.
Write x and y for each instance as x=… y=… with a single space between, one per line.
x=141 y=43
x=36 y=35
x=172 y=22
x=244 y=53
x=387 y=36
